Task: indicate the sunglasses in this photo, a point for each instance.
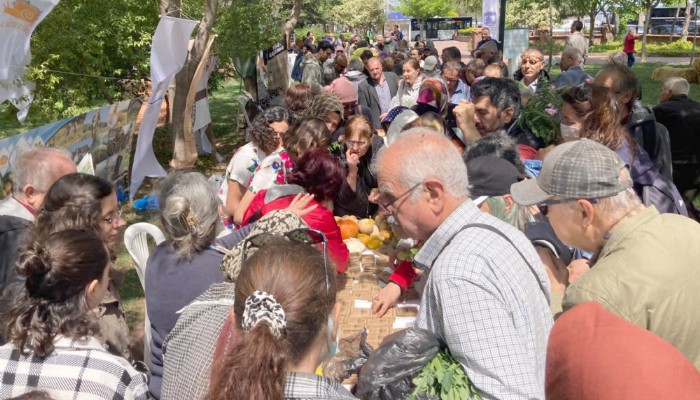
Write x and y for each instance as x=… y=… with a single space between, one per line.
x=299 y=235
x=544 y=207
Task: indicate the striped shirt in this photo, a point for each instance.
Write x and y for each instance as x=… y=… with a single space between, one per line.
x=76 y=370
x=487 y=303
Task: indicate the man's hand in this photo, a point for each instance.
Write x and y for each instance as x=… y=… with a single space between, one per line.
x=385 y=299
x=464 y=116
x=577 y=268
x=300 y=205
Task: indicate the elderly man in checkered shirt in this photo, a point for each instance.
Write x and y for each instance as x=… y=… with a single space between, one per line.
x=486 y=293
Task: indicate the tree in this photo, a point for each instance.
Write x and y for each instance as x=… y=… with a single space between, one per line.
x=647 y=6
x=424 y=9
x=359 y=13
x=87 y=53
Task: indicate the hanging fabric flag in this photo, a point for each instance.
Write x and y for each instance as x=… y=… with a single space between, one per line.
x=490 y=17
x=18 y=20
x=168 y=55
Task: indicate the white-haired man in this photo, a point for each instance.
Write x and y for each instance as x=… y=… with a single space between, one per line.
x=572 y=74
x=645 y=264
x=487 y=293
x=681 y=116
x=34 y=173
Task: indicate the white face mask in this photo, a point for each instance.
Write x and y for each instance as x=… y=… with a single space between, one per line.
x=569 y=133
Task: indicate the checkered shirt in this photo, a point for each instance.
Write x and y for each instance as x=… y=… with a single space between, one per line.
x=188 y=351
x=484 y=301
x=299 y=386
x=75 y=370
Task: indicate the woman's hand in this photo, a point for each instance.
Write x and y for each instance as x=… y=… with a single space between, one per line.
x=353 y=160
x=300 y=205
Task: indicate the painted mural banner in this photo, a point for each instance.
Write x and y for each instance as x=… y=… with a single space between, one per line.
x=105 y=134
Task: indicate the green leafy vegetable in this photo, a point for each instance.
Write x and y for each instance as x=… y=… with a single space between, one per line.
x=444 y=378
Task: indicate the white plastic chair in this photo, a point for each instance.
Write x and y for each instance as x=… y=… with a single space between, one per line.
x=136 y=242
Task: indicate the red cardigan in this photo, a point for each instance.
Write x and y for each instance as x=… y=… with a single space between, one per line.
x=320 y=219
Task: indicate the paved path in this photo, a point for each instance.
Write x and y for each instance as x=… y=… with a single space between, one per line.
x=598 y=58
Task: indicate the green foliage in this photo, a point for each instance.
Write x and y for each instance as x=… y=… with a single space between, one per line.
x=677 y=48
x=246 y=27
x=359 y=13
x=539 y=115
x=443 y=378
x=424 y=9
x=467 y=31
x=530 y=14
x=301 y=32
x=89 y=37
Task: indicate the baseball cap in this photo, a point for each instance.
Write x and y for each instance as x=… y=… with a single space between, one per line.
x=430 y=63
x=574 y=170
x=491 y=176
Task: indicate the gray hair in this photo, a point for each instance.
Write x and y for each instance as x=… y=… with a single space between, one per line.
x=189 y=212
x=617 y=206
x=490 y=45
x=37 y=167
x=421 y=145
x=574 y=54
x=452 y=66
x=355 y=64
x=676 y=85
x=617 y=58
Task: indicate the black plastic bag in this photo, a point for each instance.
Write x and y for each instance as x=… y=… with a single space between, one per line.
x=389 y=371
x=353 y=352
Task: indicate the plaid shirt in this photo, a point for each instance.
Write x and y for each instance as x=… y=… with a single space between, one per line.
x=76 y=369
x=299 y=386
x=188 y=351
x=484 y=301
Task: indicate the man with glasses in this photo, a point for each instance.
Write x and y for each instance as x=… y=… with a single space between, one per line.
x=456 y=89
x=34 y=173
x=645 y=264
x=377 y=90
x=486 y=293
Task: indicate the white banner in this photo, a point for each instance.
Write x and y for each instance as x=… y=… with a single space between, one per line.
x=168 y=55
x=490 y=17
x=18 y=20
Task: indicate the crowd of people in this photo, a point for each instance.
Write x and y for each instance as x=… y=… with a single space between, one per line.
x=544 y=264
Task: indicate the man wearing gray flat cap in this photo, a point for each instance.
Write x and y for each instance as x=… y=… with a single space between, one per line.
x=645 y=264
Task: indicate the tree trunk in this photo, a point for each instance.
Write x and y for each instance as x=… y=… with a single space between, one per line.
x=184 y=151
x=647 y=22
x=422 y=29
x=592 y=27
x=673 y=25
x=292 y=22
x=686 y=22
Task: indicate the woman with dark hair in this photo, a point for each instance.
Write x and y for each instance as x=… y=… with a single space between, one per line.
x=82 y=201
x=317 y=173
x=359 y=145
x=297 y=99
x=51 y=328
x=284 y=322
x=264 y=134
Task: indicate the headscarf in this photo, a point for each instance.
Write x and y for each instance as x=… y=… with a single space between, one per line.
x=323 y=104
x=433 y=93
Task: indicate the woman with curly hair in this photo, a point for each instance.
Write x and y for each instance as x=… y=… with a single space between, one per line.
x=265 y=138
x=318 y=173
x=82 y=201
x=52 y=329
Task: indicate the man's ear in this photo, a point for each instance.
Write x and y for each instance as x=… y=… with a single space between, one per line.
x=586 y=212
x=435 y=190
x=507 y=115
x=509 y=202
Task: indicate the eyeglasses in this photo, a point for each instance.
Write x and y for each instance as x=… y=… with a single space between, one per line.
x=112 y=218
x=531 y=61
x=385 y=206
x=354 y=144
x=544 y=207
x=299 y=235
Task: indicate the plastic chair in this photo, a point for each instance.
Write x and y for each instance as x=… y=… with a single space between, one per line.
x=136 y=242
